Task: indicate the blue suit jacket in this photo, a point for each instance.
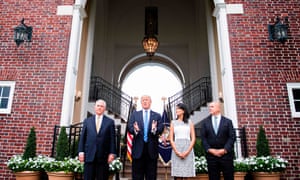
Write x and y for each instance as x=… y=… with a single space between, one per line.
x=94 y=144
x=225 y=137
x=138 y=139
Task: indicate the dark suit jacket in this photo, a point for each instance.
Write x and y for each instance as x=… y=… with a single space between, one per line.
x=225 y=137
x=138 y=139
x=97 y=145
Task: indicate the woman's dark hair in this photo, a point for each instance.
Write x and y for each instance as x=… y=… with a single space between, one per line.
x=186 y=114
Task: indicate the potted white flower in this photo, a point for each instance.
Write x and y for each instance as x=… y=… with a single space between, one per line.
x=241 y=167
x=18 y=164
x=115 y=167
x=27 y=164
x=267 y=164
x=62 y=166
x=201 y=167
x=264 y=165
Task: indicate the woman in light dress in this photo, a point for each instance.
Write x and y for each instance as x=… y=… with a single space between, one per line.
x=182 y=139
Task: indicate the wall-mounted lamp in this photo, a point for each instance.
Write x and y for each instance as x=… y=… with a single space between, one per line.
x=22 y=33
x=279 y=31
x=78 y=96
x=150 y=42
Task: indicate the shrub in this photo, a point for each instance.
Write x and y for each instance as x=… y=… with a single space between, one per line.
x=198 y=148
x=62 y=147
x=30 y=149
x=262 y=143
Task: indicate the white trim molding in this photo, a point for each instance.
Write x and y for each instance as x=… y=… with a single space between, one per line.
x=78 y=14
x=220 y=12
x=292 y=99
x=8 y=85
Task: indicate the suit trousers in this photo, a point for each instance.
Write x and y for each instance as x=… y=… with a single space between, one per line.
x=218 y=165
x=97 y=170
x=144 y=167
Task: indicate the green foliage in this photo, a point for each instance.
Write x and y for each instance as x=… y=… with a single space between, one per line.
x=201 y=165
x=198 y=148
x=74 y=148
x=30 y=149
x=17 y=163
x=115 y=166
x=262 y=143
x=66 y=165
x=241 y=165
x=267 y=164
x=62 y=146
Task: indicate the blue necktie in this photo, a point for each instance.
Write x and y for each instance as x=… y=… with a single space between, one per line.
x=145 y=126
x=215 y=124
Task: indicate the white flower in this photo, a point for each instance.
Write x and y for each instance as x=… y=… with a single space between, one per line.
x=115 y=166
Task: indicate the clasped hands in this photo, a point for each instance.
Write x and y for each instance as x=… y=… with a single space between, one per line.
x=182 y=155
x=217 y=152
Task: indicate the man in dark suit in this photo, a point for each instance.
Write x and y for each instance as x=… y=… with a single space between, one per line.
x=97 y=146
x=146 y=126
x=218 y=137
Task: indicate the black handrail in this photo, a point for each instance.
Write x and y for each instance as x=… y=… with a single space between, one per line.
x=117 y=101
x=74 y=132
x=194 y=96
x=240 y=145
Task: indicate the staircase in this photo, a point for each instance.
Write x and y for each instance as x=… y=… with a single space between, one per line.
x=163 y=172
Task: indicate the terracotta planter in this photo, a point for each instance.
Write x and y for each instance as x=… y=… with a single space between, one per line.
x=78 y=176
x=266 y=175
x=111 y=177
x=61 y=175
x=237 y=176
x=201 y=177
x=27 y=175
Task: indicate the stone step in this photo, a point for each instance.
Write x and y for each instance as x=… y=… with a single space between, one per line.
x=163 y=172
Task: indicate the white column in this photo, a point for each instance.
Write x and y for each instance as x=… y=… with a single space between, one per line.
x=85 y=105
x=225 y=61
x=72 y=65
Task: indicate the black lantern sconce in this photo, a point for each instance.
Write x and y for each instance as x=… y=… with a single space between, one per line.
x=22 y=33
x=279 y=31
x=150 y=42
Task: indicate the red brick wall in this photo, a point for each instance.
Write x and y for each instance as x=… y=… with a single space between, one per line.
x=38 y=69
x=261 y=70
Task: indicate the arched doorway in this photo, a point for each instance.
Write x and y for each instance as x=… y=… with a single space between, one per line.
x=154 y=79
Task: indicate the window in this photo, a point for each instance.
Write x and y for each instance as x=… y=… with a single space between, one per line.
x=6 y=96
x=294 y=98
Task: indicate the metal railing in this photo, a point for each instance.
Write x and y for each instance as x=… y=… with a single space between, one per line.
x=194 y=96
x=116 y=101
x=74 y=132
x=240 y=145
